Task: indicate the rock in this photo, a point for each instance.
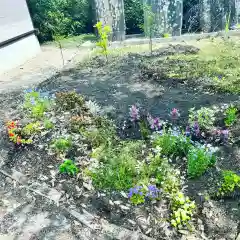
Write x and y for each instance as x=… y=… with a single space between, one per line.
x=87 y=186
x=54 y=195
x=131 y=222
x=117 y=202
x=238 y=237
x=142 y=222
x=124 y=207
x=7 y=237
x=120 y=233
x=124 y=194
x=184 y=232
x=19 y=176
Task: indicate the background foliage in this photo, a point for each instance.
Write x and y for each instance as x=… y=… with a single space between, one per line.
x=60 y=17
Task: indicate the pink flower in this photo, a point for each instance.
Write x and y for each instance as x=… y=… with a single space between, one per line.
x=134 y=113
x=174 y=113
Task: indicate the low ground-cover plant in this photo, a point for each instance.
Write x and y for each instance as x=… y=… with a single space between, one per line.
x=231 y=116
x=61 y=145
x=198 y=160
x=31 y=129
x=139 y=194
x=69 y=167
x=103 y=133
x=48 y=124
x=35 y=104
x=205 y=117
x=66 y=101
x=231 y=181
x=182 y=210
x=78 y=122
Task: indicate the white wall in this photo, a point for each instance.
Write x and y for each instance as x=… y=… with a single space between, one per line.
x=16 y=54
x=15 y=20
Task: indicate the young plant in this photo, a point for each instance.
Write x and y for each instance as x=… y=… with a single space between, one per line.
x=31 y=129
x=205 y=117
x=172 y=142
x=14 y=134
x=48 y=124
x=62 y=145
x=182 y=210
x=145 y=132
x=36 y=105
x=199 y=159
x=57 y=38
x=136 y=195
x=77 y=122
x=69 y=167
x=231 y=181
x=139 y=194
x=231 y=116
x=117 y=168
x=150 y=24
x=103 y=38
x=66 y=101
x=227 y=25
x=166 y=35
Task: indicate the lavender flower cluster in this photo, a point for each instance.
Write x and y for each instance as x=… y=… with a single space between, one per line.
x=152 y=192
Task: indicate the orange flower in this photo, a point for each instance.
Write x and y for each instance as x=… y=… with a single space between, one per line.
x=11 y=134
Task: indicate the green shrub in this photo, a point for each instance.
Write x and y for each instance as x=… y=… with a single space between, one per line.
x=231 y=116
x=170 y=144
x=69 y=167
x=62 y=17
x=204 y=116
x=61 y=145
x=31 y=129
x=48 y=124
x=103 y=134
x=68 y=100
x=231 y=181
x=199 y=159
x=117 y=167
x=35 y=105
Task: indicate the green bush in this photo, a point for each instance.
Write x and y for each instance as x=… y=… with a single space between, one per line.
x=231 y=181
x=170 y=144
x=117 y=166
x=199 y=159
x=60 y=17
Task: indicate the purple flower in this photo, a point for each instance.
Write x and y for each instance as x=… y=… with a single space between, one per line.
x=32 y=100
x=153 y=191
x=225 y=134
x=135 y=190
x=134 y=113
x=155 y=123
x=174 y=113
x=188 y=131
x=196 y=128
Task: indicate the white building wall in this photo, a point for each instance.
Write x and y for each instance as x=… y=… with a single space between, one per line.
x=15 y=20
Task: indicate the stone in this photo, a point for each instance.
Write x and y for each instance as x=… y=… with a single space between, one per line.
x=7 y=237
x=54 y=195
x=19 y=176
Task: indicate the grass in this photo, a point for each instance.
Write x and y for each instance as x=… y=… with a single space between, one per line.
x=73 y=42
x=216 y=65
